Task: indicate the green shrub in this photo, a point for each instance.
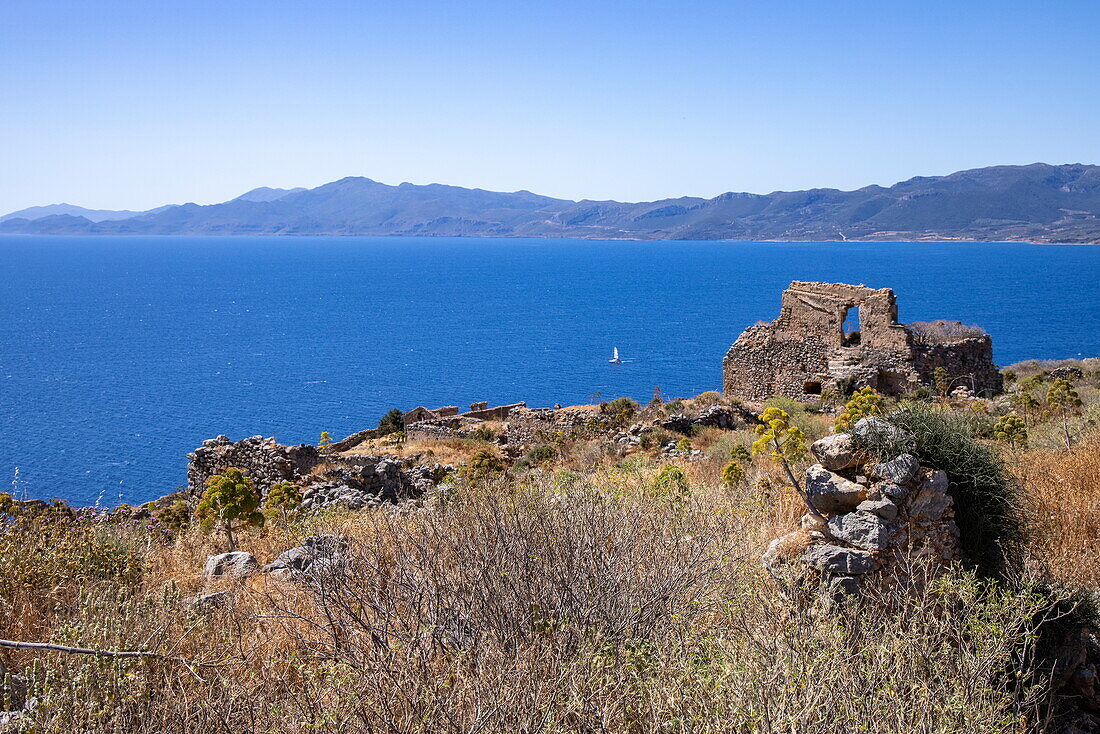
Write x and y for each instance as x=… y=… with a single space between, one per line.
x=622 y=409
x=987 y=499
x=684 y=444
x=483 y=465
x=540 y=453
x=482 y=434
x=283 y=500
x=732 y=474
x=670 y=483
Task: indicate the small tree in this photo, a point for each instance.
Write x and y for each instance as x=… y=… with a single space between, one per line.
x=740 y=454
x=325 y=442
x=391 y=422
x=783 y=443
x=1010 y=429
x=230 y=503
x=283 y=500
x=865 y=402
x=684 y=444
x=1064 y=398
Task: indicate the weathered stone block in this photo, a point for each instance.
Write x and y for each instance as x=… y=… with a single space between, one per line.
x=830 y=492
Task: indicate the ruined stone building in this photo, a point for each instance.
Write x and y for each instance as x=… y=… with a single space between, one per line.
x=810 y=348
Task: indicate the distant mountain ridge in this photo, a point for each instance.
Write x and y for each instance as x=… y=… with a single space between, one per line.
x=92 y=215
x=1037 y=202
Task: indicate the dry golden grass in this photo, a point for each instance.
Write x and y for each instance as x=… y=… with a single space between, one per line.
x=1063 y=488
x=558 y=601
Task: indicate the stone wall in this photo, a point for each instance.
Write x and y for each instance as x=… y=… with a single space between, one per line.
x=807 y=351
x=265 y=461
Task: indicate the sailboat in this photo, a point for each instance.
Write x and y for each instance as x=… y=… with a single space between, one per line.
x=615 y=359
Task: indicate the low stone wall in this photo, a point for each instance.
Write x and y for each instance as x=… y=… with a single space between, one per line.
x=265 y=461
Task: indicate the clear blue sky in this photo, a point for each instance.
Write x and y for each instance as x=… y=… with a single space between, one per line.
x=114 y=104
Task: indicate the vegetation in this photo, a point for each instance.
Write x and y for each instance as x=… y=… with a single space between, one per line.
x=600 y=588
x=1063 y=398
x=391 y=422
x=865 y=402
x=230 y=503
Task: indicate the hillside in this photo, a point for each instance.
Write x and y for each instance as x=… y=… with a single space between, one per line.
x=1038 y=202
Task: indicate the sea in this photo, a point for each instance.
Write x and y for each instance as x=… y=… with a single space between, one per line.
x=119 y=355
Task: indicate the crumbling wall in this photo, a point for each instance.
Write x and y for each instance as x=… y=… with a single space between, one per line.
x=807 y=351
x=886 y=521
x=265 y=461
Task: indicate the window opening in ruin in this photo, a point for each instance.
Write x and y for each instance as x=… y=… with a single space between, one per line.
x=812 y=388
x=851 y=327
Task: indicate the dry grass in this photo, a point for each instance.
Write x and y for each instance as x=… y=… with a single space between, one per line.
x=1063 y=488
x=453 y=451
x=555 y=602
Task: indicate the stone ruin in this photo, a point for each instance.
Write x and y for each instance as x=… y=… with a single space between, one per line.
x=886 y=522
x=808 y=349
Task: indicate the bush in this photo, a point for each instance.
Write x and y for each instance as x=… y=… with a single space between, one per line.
x=670 y=483
x=483 y=465
x=622 y=409
x=541 y=453
x=482 y=434
x=942 y=332
x=865 y=402
x=988 y=501
x=732 y=474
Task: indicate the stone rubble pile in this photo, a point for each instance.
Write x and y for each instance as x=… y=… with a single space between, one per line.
x=883 y=519
x=726 y=417
x=371 y=481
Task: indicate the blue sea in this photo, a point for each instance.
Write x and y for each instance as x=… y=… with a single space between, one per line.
x=120 y=355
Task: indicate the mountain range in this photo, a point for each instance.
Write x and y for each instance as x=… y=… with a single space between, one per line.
x=1036 y=203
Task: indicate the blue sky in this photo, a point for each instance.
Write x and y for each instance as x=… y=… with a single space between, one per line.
x=135 y=104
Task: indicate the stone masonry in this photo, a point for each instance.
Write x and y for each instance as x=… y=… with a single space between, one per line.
x=807 y=350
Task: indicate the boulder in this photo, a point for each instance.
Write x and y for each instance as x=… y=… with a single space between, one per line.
x=836 y=559
x=873 y=432
x=883 y=508
x=830 y=492
x=237 y=563
x=901 y=470
x=836 y=452
x=932 y=500
x=314 y=548
x=209 y=602
x=861 y=529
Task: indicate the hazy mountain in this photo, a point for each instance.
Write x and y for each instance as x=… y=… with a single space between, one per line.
x=1038 y=202
x=265 y=193
x=93 y=215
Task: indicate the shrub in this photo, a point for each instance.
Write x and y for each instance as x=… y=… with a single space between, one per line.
x=670 y=483
x=482 y=433
x=732 y=474
x=684 y=444
x=540 y=453
x=230 y=503
x=1010 y=429
x=283 y=500
x=483 y=465
x=710 y=397
x=865 y=402
x=391 y=422
x=324 y=442
x=987 y=499
x=176 y=516
x=622 y=409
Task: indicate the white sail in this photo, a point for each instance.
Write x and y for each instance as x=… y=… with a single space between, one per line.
x=616 y=350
